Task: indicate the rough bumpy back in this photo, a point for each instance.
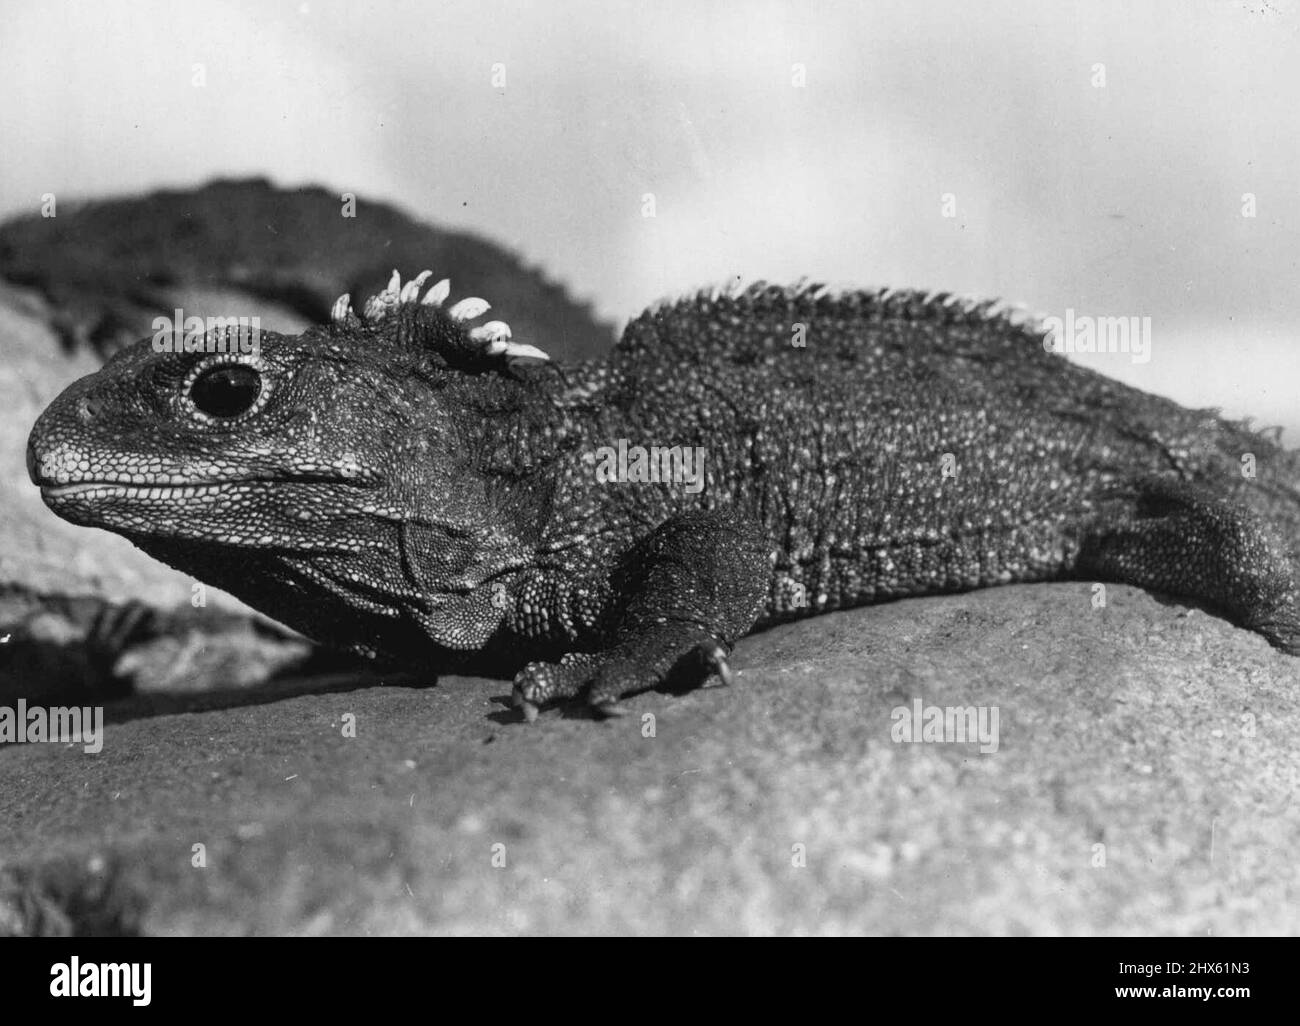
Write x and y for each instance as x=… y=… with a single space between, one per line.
x=899 y=443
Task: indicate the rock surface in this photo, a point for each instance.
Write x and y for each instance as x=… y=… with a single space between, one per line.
x=1164 y=734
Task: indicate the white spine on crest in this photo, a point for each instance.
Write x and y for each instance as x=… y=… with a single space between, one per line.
x=516 y=351
x=437 y=294
x=468 y=309
x=411 y=290
x=493 y=337
x=491 y=332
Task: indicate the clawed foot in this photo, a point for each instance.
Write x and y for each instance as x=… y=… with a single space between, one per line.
x=681 y=657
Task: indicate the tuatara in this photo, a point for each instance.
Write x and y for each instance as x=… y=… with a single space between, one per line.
x=410 y=486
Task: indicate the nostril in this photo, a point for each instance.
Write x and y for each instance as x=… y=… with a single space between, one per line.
x=86 y=410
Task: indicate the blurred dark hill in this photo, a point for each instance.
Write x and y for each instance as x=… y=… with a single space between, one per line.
x=107 y=268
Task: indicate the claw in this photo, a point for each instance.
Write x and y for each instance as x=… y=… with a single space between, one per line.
x=529 y=709
x=716 y=656
x=610 y=708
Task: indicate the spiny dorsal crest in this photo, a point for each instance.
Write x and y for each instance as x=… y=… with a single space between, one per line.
x=878 y=304
x=488 y=343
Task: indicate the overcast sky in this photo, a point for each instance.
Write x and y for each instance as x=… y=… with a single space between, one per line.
x=1115 y=199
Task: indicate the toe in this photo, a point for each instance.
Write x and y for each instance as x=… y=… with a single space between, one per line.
x=539 y=684
x=715 y=659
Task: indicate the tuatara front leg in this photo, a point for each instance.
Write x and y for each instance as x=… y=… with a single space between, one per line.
x=679 y=600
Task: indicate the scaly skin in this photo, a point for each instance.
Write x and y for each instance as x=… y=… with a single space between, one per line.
x=406 y=486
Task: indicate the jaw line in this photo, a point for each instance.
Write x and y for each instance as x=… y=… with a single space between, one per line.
x=121 y=490
x=113 y=489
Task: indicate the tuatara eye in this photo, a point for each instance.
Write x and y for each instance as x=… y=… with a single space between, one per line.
x=226 y=391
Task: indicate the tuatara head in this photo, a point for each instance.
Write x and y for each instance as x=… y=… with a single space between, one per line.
x=340 y=480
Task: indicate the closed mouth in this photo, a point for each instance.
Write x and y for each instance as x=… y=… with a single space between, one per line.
x=113 y=490
x=91 y=490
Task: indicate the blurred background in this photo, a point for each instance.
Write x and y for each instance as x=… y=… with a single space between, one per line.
x=1096 y=156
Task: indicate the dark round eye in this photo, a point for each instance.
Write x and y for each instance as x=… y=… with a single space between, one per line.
x=226 y=391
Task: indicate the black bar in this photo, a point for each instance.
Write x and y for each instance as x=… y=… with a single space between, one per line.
x=876 y=975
